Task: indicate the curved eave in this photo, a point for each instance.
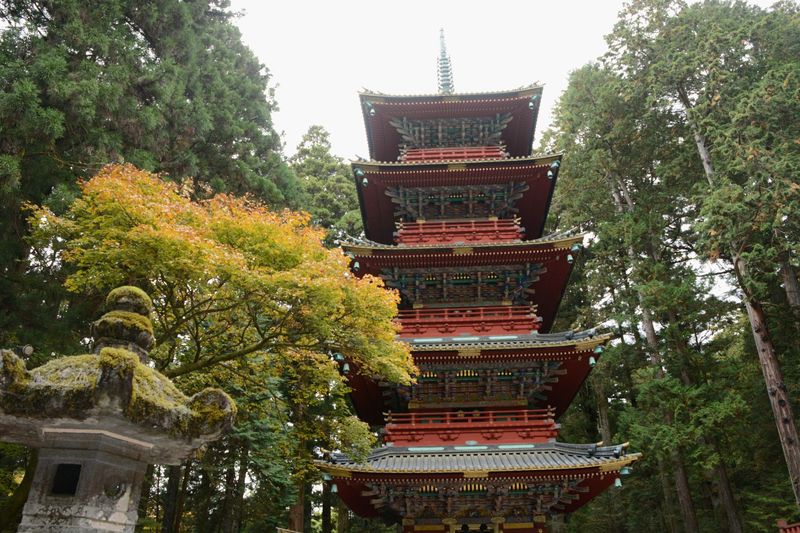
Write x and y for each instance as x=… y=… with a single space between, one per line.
x=376 y=167
x=550 y=471
x=488 y=347
x=353 y=481
x=541 y=245
x=526 y=91
x=378 y=211
x=552 y=253
x=369 y=402
x=384 y=141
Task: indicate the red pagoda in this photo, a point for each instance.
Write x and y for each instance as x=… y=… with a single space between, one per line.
x=454 y=207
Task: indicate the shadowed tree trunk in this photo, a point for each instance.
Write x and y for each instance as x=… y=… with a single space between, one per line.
x=241 y=479
x=203 y=502
x=773 y=379
x=13 y=512
x=171 y=499
x=327 y=526
x=182 y=495
x=297 y=510
x=669 y=502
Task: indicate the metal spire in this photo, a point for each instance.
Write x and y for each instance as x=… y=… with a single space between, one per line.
x=445 y=70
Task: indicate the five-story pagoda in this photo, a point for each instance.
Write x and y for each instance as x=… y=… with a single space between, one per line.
x=454 y=206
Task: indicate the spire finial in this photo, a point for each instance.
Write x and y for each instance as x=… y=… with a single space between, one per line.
x=445 y=70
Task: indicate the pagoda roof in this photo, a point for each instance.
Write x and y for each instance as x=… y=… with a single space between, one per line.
x=373 y=165
x=482 y=460
x=569 y=339
x=384 y=141
x=550 y=252
x=572 y=353
x=378 y=210
x=556 y=241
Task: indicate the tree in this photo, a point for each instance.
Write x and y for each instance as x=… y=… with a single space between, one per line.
x=330 y=192
x=245 y=298
x=165 y=85
x=230 y=278
x=703 y=61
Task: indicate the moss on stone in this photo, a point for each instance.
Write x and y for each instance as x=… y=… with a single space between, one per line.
x=126 y=319
x=156 y=400
x=212 y=410
x=130 y=298
x=68 y=387
x=119 y=360
x=62 y=387
x=13 y=374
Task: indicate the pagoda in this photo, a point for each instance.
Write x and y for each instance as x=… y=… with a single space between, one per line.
x=454 y=205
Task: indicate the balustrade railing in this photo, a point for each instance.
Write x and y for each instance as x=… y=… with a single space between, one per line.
x=465 y=418
x=517 y=318
x=443 y=232
x=455 y=153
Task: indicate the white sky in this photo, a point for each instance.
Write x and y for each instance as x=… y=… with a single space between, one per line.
x=320 y=53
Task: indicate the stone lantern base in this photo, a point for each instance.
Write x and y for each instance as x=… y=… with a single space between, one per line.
x=85 y=490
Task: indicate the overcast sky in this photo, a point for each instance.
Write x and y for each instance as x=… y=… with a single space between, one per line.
x=321 y=53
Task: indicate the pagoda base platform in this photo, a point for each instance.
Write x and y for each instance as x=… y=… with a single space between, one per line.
x=494 y=525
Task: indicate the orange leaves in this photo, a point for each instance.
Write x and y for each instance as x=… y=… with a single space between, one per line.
x=229 y=277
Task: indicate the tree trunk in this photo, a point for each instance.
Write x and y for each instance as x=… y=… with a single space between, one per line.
x=182 y=495
x=669 y=504
x=244 y=463
x=773 y=378
x=171 y=499
x=792 y=288
x=684 y=494
x=705 y=156
x=327 y=527
x=604 y=426
x=227 y=514
x=144 y=498
x=203 y=502
x=342 y=518
x=12 y=513
x=726 y=496
x=297 y=510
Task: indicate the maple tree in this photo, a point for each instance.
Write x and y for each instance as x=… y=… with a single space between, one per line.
x=229 y=277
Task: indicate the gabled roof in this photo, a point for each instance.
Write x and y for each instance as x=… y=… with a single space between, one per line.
x=374 y=178
x=384 y=141
x=553 y=255
x=468 y=461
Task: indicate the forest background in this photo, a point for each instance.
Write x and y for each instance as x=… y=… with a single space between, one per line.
x=682 y=156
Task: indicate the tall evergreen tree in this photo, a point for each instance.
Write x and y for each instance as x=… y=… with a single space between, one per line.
x=166 y=85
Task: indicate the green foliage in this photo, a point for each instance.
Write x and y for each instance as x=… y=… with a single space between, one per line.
x=721 y=75
x=328 y=186
x=166 y=85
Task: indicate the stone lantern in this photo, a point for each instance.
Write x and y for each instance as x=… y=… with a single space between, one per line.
x=99 y=420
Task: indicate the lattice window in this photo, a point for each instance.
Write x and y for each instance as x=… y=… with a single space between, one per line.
x=449 y=202
x=463 y=284
x=453 y=132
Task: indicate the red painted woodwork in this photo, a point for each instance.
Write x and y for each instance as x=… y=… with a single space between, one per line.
x=384 y=141
x=486 y=383
x=545 y=293
x=369 y=403
x=453 y=154
x=427 y=428
x=459 y=231
x=378 y=211
x=432 y=322
x=783 y=527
